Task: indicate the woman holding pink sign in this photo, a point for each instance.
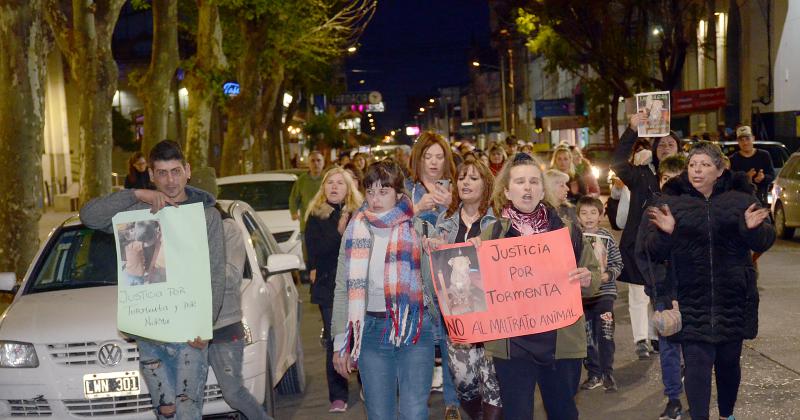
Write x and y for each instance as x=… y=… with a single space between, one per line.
x=551 y=359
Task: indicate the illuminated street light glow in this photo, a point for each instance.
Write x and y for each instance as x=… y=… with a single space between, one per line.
x=351 y=49
x=421 y=109
x=431 y=100
x=392 y=132
x=476 y=64
x=361 y=82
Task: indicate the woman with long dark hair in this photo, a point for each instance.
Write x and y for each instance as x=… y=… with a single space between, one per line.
x=138 y=176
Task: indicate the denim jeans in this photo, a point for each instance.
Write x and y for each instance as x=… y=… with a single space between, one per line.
x=670 y=358
x=225 y=358
x=175 y=374
x=448 y=385
x=700 y=358
x=337 y=384
x=387 y=371
x=600 y=337
x=558 y=384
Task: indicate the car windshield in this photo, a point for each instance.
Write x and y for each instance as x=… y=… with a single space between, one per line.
x=79 y=257
x=261 y=195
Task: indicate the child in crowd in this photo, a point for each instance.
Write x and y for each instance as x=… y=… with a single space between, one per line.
x=599 y=308
x=661 y=290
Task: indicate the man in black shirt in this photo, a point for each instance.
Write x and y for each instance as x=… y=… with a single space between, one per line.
x=756 y=163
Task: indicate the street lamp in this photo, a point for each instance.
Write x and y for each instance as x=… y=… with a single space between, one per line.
x=431 y=100
x=421 y=109
x=352 y=49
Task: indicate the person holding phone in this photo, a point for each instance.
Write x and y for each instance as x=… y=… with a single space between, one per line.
x=433 y=172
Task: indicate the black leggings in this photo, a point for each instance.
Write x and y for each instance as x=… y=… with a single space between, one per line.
x=700 y=358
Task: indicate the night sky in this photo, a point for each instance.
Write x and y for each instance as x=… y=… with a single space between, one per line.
x=412 y=47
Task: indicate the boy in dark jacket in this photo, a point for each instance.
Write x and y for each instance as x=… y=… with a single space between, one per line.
x=661 y=289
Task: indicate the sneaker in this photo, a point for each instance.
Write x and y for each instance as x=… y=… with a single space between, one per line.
x=452 y=413
x=673 y=411
x=438 y=379
x=338 y=406
x=642 y=350
x=654 y=346
x=592 y=382
x=609 y=384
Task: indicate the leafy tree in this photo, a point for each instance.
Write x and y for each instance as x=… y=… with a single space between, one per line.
x=123 y=132
x=615 y=47
x=23 y=66
x=83 y=31
x=271 y=38
x=154 y=85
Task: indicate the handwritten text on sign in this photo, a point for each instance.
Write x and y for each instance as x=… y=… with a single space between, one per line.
x=508 y=287
x=163 y=275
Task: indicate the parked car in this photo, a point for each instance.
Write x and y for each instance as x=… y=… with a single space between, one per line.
x=59 y=337
x=268 y=193
x=786 y=198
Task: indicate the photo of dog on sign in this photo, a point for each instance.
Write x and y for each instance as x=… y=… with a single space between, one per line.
x=458 y=280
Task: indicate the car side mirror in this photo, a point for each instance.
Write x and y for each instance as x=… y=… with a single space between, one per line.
x=8 y=283
x=281 y=263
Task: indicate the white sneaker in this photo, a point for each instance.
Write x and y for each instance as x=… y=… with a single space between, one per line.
x=438 y=379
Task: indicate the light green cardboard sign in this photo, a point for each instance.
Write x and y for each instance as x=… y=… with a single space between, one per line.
x=163 y=272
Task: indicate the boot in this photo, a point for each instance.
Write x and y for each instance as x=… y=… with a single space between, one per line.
x=472 y=408
x=491 y=412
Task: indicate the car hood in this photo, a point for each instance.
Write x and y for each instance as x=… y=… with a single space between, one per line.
x=88 y=314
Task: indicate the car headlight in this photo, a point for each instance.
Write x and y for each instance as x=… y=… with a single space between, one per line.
x=14 y=354
x=595 y=172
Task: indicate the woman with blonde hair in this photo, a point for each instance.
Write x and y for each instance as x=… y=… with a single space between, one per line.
x=556 y=193
x=326 y=219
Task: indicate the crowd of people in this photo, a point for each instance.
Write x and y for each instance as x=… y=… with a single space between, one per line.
x=692 y=226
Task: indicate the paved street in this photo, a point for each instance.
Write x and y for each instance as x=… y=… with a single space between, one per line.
x=770 y=364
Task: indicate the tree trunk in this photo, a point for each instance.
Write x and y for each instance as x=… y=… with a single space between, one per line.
x=23 y=63
x=86 y=41
x=240 y=108
x=208 y=60
x=154 y=87
x=271 y=103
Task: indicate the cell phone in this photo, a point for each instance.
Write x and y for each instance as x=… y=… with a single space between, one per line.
x=445 y=183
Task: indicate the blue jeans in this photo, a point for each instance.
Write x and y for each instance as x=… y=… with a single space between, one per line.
x=226 y=359
x=448 y=386
x=387 y=371
x=175 y=374
x=670 y=357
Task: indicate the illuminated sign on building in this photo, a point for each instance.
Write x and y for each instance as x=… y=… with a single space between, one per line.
x=230 y=88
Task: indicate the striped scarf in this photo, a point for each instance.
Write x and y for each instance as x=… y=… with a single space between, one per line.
x=402 y=284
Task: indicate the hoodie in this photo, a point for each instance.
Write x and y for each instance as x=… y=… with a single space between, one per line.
x=98 y=212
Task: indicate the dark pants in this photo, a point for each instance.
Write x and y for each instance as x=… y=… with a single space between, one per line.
x=669 y=354
x=337 y=384
x=558 y=384
x=600 y=337
x=700 y=358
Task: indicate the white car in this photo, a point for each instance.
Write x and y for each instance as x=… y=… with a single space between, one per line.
x=268 y=193
x=59 y=342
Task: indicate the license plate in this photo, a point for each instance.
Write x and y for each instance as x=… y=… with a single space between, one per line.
x=111 y=384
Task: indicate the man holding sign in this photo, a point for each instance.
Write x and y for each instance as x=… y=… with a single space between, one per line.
x=175 y=372
x=550 y=358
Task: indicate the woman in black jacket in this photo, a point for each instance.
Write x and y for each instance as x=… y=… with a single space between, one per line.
x=327 y=217
x=706 y=224
x=640 y=175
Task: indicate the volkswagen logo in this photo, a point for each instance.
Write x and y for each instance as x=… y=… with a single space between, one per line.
x=109 y=355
